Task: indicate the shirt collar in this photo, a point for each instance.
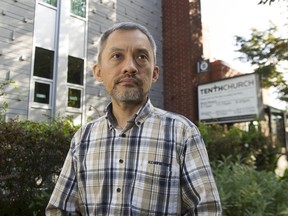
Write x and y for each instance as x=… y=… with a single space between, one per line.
x=138 y=118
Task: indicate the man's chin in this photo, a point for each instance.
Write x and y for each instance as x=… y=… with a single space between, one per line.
x=129 y=97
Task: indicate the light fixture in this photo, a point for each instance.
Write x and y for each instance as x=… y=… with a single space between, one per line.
x=22 y=58
x=12 y=35
x=7 y=75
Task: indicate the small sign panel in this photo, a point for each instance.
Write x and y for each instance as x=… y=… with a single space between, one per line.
x=203 y=66
x=230 y=100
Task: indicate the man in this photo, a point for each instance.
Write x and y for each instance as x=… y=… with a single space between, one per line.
x=137 y=159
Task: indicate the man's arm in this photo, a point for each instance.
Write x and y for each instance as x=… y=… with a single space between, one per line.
x=199 y=192
x=64 y=199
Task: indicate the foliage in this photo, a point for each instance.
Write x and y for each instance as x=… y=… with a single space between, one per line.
x=245 y=191
x=243 y=164
x=252 y=147
x=31 y=156
x=3 y=86
x=266 y=51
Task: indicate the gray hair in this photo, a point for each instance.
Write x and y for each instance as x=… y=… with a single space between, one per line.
x=125 y=26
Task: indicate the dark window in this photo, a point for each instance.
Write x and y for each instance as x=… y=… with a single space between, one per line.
x=74 y=98
x=43 y=63
x=51 y=2
x=42 y=93
x=78 y=7
x=75 y=70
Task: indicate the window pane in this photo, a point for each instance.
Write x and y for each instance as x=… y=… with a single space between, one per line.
x=42 y=93
x=74 y=98
x=51 y=2
x=43 y=65
x=78 y=7
x=75 y=70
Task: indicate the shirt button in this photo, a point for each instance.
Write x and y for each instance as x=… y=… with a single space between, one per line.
x=118 y=190
x=123 y=135
x=121 y=161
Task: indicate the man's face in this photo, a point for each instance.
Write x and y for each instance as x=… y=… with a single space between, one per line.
x=127 y=66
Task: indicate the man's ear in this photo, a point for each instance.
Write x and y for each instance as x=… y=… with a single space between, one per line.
x=155 y=74
x=97 y=72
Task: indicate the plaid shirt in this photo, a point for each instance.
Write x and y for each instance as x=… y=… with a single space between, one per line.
x=157 y=165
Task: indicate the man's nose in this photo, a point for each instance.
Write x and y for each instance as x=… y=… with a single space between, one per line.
x=129 y=65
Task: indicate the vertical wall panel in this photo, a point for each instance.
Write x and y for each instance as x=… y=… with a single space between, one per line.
x=45 y=27
x=16 y=38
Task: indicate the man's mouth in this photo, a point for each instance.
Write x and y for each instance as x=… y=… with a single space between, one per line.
x=127 y=80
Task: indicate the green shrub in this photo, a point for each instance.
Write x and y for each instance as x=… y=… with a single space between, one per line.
x=31 y=155
x=245 y=191
x=251 y=146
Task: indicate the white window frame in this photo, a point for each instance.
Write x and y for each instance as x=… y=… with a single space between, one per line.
x=76 y=87
x=44 y=81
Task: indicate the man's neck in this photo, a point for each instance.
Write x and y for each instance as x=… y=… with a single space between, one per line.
x=123 y=112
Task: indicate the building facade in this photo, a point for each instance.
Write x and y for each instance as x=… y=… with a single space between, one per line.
x=48 y=48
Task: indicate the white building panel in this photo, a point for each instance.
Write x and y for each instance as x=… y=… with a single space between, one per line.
x=45 y=21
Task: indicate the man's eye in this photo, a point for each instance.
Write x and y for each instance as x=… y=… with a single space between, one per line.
x=116 y=56
x=142 y=57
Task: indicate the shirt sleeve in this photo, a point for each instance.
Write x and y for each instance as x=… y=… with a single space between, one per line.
x=64 y=199
x=199 y=192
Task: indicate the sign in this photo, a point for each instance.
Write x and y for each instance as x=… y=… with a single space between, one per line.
x=230 y=100
x=203 y=66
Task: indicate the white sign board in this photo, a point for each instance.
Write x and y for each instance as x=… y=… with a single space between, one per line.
x=230 y=100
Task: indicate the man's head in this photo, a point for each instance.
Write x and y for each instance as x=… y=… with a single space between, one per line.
x=126 y=63
x=125 y=26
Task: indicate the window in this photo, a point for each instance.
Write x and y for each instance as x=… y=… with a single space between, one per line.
x=74 y=98
x=42 y=93
x=43 y=75
x=78 y=7
x=75 y=77
x=51 y=2
x=44 y=61
x=75 y=70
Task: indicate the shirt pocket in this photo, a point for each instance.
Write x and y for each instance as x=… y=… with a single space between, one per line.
x=156 y=190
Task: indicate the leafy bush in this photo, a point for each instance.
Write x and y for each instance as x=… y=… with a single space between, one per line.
x=245 y=191
x=4 y=105
x=31 y=155
x=251 y=146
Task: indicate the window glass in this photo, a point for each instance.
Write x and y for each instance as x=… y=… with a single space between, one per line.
x=75 y=70
x=43 y=63
x=74 y=98
x=78 y=7
x=51 y=2
x=42 y=93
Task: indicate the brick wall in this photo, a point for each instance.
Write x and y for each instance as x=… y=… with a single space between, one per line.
x=182 y=48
